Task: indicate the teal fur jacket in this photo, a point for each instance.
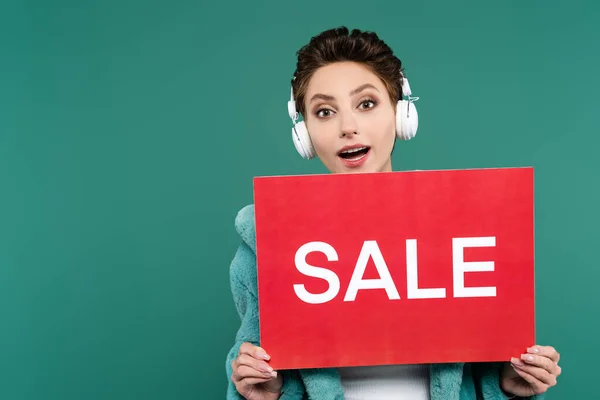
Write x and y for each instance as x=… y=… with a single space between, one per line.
x=457 y=381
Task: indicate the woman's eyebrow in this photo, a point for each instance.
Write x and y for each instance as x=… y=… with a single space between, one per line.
x=327 y=97
x=361 y=88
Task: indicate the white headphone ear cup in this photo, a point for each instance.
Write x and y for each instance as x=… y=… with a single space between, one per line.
x=407 y=120
x=302 y=141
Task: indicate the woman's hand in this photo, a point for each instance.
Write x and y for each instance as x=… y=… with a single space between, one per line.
x=253 y=377
x=533 y=373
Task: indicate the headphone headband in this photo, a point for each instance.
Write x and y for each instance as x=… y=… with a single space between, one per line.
x=292 y=106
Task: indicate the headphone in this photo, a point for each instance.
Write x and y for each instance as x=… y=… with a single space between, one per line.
x=407 y=121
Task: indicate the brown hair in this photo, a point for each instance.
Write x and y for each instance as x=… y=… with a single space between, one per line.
x=339 y=44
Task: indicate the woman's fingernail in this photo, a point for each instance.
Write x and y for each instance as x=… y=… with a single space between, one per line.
x=516 y=362
x=527 y=357
x=274 y=374
x=263 y=355
x=533 y=350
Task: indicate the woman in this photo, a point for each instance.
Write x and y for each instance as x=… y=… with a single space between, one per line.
x=347 y=86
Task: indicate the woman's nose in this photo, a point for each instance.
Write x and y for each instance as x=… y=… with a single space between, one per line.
x=348 y=127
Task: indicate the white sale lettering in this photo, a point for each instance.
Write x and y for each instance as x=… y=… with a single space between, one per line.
x=412 y=276
x=460 y=266
x=317 y=272
x=370 y=249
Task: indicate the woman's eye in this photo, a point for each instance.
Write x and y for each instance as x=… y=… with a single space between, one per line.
x=367 y=104
x=323 y=113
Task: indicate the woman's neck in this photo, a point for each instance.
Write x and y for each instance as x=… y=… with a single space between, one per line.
x=387 y=166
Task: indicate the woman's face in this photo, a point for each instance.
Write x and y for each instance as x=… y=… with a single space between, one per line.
x=350 y=119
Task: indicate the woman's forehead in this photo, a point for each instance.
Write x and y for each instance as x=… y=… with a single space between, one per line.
x=341 y=79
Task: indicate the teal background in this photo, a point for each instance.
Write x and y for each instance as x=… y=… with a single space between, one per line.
x=130 y=132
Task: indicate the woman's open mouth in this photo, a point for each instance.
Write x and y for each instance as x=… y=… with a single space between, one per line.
x=354 y=156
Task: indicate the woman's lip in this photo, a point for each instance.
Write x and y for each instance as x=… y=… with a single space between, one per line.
x=356 y=163
x=351 y=147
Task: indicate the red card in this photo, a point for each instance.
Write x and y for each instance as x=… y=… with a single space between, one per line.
x=395 y=268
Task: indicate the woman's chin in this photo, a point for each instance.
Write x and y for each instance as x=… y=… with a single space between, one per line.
x=363 y=169
x=368 y=166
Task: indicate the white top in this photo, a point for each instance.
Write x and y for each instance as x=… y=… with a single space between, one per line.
x=387 y=382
